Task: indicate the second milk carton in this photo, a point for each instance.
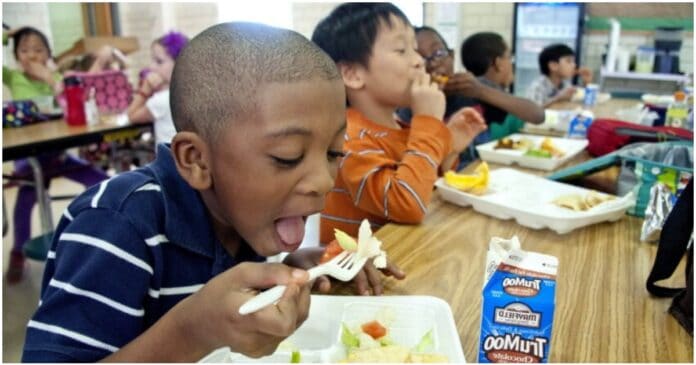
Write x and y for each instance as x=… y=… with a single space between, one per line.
x=519 y=296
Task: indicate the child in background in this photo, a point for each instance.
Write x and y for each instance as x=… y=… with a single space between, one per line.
x=153 y=264
x=32 y=51
x=487 y=56
x=151 y=100
x=557 y=65
x=463 y=89
x=388 y=170
x=35 y=78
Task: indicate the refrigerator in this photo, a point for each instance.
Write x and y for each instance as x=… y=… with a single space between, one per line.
x=537 y=25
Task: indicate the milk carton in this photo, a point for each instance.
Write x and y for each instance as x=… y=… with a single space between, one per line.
x=518 y=303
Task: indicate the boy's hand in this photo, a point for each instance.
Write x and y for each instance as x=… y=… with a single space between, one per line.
x=465 y=125
x=426 y=97
x=566 y=94
x=153 y=83
x=464 y=83
x=37 y=71
x=368 y=280
x=585 y=74
x=211 y=315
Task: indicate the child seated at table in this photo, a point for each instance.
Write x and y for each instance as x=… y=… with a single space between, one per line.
x=153 y=264
x=389 y=169
x=557 y=65
x=487 y=56
x=36 y=80
x=151 y=100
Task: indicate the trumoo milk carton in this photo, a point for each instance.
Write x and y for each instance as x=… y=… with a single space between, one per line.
x=518 y=303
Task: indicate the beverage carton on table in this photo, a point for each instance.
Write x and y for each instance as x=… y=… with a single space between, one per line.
x=519 y=296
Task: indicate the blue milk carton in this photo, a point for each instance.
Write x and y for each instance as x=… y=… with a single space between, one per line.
x=580 y=124
x=519 y=296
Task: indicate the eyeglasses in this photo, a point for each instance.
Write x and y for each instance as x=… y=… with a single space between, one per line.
x=438 y=55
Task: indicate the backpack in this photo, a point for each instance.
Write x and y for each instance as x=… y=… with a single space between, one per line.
x=676 y=239
x=608 y=135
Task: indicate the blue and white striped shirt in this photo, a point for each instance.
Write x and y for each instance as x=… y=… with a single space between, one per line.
x=123 y=254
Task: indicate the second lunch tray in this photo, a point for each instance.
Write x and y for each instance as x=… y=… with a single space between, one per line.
x=529 y=200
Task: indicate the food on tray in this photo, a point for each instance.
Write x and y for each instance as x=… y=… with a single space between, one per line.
x=533 y=152
x=367 y=246
x=441 y=79
x=578 y=202
x=547 y=145
x=546 y=149
x=371 y=342
x=476 y=183
x=522 y=144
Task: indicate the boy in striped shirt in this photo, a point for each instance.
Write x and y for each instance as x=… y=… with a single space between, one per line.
x=388 y=171
x=153 y=265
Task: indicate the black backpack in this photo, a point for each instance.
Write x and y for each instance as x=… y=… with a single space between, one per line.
x=675 y=240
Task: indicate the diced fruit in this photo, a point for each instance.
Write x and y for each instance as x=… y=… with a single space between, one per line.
x=346 y=242
x=332 y=250
x=374 y=329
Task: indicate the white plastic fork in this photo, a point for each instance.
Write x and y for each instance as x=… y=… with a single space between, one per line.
x=342 y=267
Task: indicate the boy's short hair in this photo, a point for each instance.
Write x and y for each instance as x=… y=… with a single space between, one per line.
x=480 y=50
x=553 y=53
x=348 y=33
x=218 y=73
x=23 y=32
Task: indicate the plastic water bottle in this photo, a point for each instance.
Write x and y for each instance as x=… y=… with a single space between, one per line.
x=91 y=109
x=678 y=111
x=75 y=97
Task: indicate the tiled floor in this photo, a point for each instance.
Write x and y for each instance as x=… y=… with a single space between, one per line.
x=20 y=300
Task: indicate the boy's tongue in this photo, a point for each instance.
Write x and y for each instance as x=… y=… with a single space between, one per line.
x=290 y=230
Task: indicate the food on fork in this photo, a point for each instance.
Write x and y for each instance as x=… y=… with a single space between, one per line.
x=367 y=246
x=476 y=183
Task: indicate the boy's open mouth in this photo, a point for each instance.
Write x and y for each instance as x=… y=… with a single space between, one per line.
x=291 y=230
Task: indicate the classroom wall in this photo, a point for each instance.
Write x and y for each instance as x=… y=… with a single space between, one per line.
x=66 y=27
x=150 y=20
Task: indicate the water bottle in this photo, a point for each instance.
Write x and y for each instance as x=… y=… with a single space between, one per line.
x=91 y=109
x=75 y=101
x=678 y=111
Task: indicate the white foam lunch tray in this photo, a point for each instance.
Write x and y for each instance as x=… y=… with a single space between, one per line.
x=528 y=199
x=318 y=339
x=571 y=147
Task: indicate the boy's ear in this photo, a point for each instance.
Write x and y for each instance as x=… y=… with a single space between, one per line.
x=553 y=66
x=192 y=157
x=352 y=75
x=496 y=63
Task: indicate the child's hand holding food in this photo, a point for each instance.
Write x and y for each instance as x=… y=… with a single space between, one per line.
x=426 y=97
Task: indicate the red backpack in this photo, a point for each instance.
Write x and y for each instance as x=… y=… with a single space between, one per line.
x=608 y=135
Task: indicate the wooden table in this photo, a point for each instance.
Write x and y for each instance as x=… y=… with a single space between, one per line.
x=56 y=135
x=603 y=311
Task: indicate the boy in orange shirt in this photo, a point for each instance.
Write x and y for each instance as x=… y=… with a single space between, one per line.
x=389 y=169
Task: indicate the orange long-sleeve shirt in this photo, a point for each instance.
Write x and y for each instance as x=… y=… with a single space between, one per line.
x=387 y=174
